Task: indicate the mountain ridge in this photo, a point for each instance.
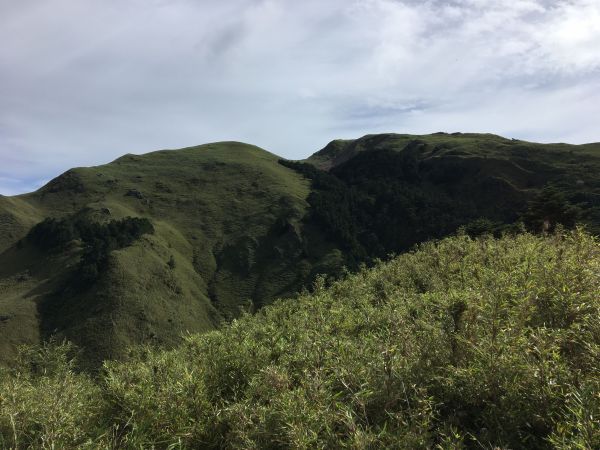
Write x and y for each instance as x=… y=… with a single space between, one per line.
x=236 y=227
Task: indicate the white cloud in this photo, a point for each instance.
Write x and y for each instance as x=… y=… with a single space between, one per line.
x=84 y=81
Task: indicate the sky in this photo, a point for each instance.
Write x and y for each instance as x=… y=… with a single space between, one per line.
x=83 y=82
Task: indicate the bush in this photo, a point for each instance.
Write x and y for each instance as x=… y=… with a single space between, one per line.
x=550 y=209
x=480 y=341
x=464 y=343
x=45 y=404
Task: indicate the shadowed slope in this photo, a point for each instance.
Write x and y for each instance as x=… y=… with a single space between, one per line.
x=384 y=193
x=235 y=227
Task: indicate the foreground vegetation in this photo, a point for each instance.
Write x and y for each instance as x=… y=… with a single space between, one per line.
x=463 y=343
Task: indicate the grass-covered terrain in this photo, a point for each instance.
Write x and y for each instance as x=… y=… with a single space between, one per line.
x=227 y=237
x=234 y=228
x=464 y=343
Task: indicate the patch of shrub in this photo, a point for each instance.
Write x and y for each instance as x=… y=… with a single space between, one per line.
x=549 y=209
x=463 y=343
x=52 y=233
x=46 y=404
x=98 y=239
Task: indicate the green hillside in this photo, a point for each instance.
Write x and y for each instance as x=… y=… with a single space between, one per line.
x=227 y=237
x=234 y=227
x=384 y=193
x=464 y=343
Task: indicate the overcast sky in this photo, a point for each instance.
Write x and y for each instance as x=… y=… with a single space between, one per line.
x=85 y=81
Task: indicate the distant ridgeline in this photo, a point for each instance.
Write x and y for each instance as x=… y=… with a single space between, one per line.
x=385 y=201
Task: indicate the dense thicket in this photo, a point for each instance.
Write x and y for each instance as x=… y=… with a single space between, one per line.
x=386 y=201
x=465 y=343
x=550 y=208
x=98 y=239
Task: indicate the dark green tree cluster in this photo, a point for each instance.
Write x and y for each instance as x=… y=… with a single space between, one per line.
x=101 y=239
x=98 y=239
x=380 y=202
x=549 y=209
x=52 y=233
x=384 y=201
x=331 y=205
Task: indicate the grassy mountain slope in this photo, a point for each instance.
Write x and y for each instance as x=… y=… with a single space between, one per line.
x=227 y=233
x=235 y=227
x=465 y=343
x=458 y=144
